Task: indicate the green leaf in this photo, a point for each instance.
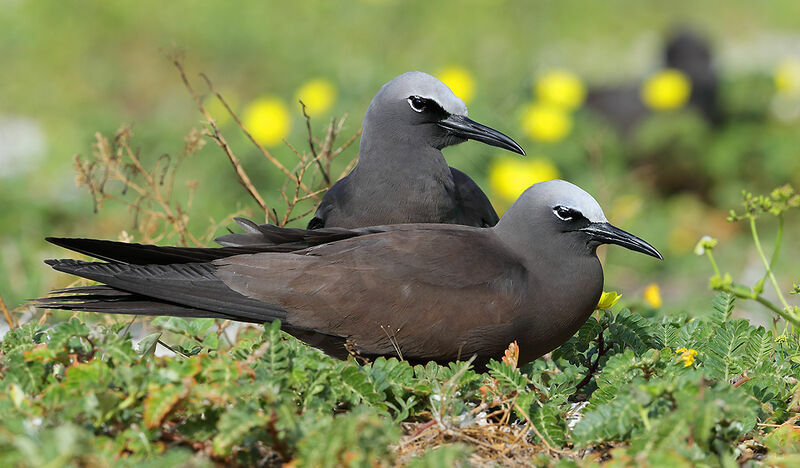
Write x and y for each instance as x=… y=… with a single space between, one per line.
x=159 y=401
x=61 y=334
x=356 y=382
x=22 y=338
x=360 y=438
x=147 y=345
x=118 y=349
x=509 y=379
x=550 y=423
x=666 y=332
x=724 y=354
x=236 y=424
x=92 y=375
x=722 y=305
x=277 y=356
x=621 y=369
x=634 y=331
x=29 y=375
x=760 y=349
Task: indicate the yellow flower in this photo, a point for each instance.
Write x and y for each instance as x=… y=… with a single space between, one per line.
x=546 y=122
x=787 y=77
x=561 y=88
x=267 y=119
x=510 y=176
x=652 y=295
x=608 y=299
x=667 y=89
x=686 y=355
x=318 y=95
x=459 y=80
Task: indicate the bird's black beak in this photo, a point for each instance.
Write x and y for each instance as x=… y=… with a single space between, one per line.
x=469 y=129
x=605 y=233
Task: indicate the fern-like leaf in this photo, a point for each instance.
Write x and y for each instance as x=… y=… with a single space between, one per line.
x=723 y=305
x=508 y=378
x=725 y=351
x=634 y=331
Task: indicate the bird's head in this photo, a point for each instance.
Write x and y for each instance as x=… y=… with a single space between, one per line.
x=563 y=214
x=417 y=107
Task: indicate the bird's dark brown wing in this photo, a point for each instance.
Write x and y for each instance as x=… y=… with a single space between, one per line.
x=271 y=238
x=336 y=195
x=192 y=286
x=440 y=293
x=474 y=206
x=145 y=254
x=256 y=238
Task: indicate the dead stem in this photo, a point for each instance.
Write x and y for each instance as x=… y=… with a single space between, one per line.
x=11 y=323
x=238 y=121
x=215 y=135
x=311 y=143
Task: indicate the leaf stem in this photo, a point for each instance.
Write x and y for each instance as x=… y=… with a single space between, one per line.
x=713 y=263
x=766 y=263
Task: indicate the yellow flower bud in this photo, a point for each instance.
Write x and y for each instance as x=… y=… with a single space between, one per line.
x=459 y=80
x=510 y=176
x=561 y=88
x=546 y=122
x=666 y=90
x=267 y=119
x=652 y=295
x=318 y=95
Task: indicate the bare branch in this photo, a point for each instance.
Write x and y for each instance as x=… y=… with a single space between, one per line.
x=9 y=319
x=244 y=179
x=311 y=143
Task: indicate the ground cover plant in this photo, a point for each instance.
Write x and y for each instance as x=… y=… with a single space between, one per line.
x=633 y=387
x=651 y=391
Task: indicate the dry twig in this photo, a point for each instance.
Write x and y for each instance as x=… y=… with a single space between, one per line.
x=7 y=314
x=115 y=160
x=298 y=176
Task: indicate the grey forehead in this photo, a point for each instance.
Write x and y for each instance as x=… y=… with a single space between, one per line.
x=423 y=85
x=561 y=192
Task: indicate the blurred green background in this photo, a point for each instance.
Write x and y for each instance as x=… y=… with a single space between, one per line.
x=72 y=69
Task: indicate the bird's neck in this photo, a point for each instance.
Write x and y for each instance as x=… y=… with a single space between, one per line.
x=394 y=157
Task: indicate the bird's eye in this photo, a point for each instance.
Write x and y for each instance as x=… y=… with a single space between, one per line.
x=417 y=103
x=565 y=214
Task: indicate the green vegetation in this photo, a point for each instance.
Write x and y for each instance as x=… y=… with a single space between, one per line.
x=671 y=376
x=682 y=391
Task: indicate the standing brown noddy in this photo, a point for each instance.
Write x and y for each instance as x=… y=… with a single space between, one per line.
x=401 y=175
x=421 y=291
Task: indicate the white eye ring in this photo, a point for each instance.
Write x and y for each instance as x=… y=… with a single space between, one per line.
x=563 y=213
x=420 y=103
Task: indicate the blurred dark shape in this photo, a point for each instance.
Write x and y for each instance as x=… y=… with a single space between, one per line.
x=686 y=51
x=660 y=143
x=690 y=53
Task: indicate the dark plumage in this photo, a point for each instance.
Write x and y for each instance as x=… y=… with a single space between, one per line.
x=424 y=291
x=401 y=175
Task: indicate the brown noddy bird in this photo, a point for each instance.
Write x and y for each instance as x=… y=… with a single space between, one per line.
x=422 y=292
x=401 y=175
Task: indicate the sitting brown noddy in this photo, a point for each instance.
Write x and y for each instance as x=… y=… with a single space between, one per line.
x=421 y=291
x=401 y=175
